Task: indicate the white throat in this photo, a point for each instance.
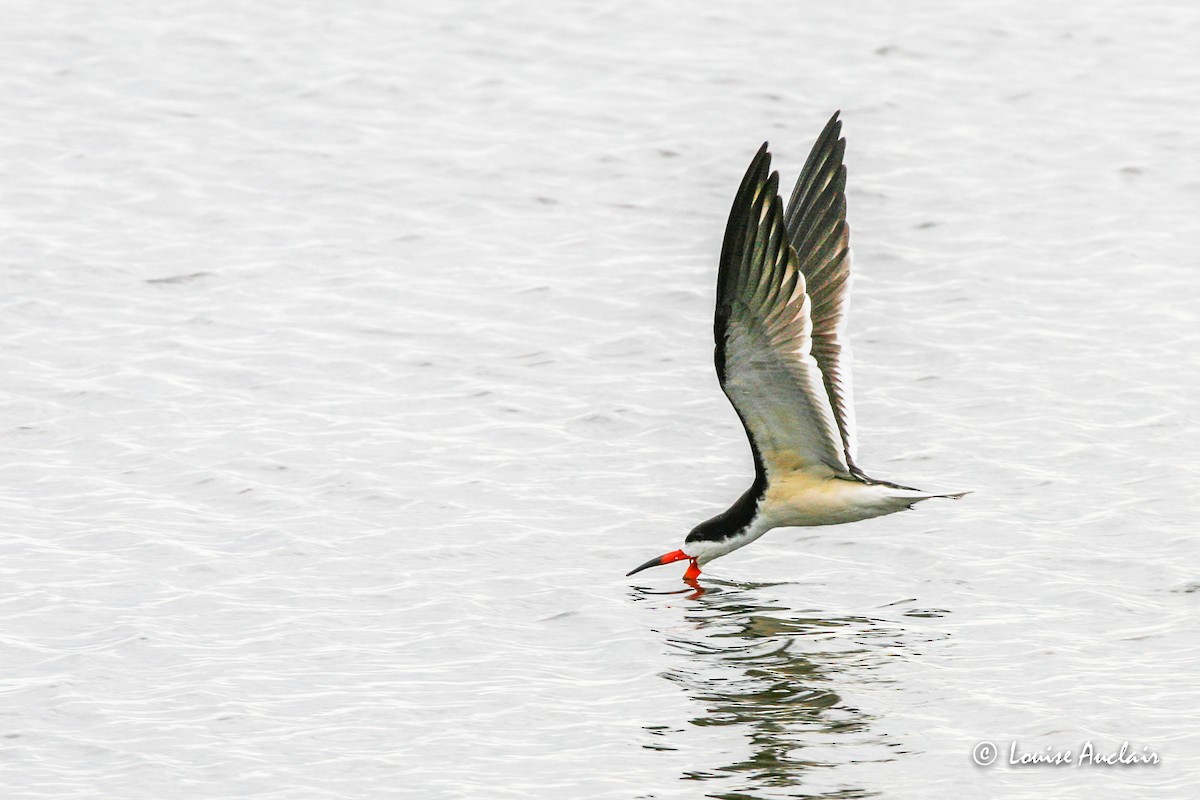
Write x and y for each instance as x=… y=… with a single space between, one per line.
x=705 y=551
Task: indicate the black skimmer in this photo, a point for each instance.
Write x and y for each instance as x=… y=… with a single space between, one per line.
x=783 y=290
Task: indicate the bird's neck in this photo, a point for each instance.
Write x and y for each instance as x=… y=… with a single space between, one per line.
x=733 y=521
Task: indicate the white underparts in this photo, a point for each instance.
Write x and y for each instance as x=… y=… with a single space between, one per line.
x=801 y=499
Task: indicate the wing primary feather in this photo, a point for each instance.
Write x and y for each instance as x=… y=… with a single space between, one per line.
x=817 y=157
x=826 y=249
x=824 y=208
x=733 y=247
x=809 y=186
x=736 y=228
x=817 y=229
x=829 y=227
x=752 y=264
x=767 y=260
x=757 y=242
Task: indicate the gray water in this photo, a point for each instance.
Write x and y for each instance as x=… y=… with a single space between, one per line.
x=352 y=352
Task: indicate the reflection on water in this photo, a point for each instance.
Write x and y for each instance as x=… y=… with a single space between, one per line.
x=779 y=675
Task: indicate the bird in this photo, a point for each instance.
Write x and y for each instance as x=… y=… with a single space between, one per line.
x=783 y=360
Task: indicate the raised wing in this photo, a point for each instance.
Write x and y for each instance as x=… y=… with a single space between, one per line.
x=817 y=230
x=763 y=333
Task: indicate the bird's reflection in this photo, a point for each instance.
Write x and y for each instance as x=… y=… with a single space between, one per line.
x=776 y=674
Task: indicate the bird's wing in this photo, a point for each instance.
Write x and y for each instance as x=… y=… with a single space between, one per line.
x=763 y=332
x=817 y=230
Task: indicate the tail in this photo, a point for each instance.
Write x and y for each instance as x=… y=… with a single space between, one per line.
x=899 y=496
x=913 y=496
x=907 y=497
x=952 y=495
x=905 y=492
x=917 y=494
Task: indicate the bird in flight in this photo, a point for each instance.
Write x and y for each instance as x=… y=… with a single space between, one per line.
x=783 y=290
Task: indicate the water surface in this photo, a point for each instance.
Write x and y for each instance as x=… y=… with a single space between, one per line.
x=353 y=352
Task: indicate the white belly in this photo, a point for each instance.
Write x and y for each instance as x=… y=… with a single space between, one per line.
x=803 y=499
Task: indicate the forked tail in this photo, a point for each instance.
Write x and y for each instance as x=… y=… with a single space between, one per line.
x=916 y=495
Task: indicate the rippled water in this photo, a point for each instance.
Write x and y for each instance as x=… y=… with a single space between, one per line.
x=351 y=354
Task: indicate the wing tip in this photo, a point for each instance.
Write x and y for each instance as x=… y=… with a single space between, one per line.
x=831 y=135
